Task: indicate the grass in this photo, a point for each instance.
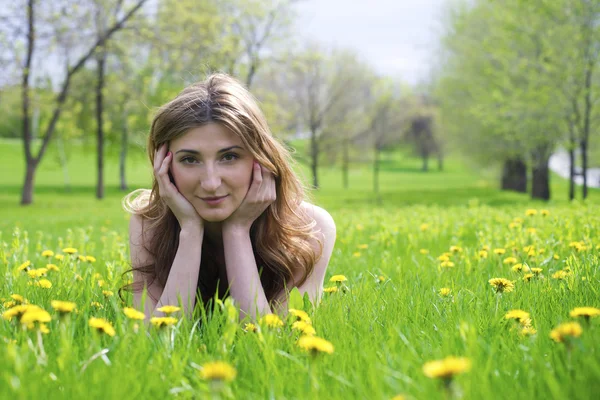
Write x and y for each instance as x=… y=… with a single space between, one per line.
x=389 y=320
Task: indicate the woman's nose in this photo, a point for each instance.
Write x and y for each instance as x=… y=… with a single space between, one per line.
x=211 y=180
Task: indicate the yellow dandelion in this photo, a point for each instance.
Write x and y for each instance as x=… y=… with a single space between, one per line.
x=52 y=267
x=16 y=311
x=443 y=257
x=315 y=344
x=531 y=231
x=485 y=247
x=44 y=283
x=514 y=225
x=518 y=315
x=456 y=249
x=24 y=266
x=250 y=327
x=445 y=292
x=18 y=298
x=163 y=321
x=586 y=312
x=424 y=251
x=338 y=278
x=69 y=250
x=447 y=264
x=271 y=320
x=499 y=251
x=536 y=270
x=510 y=260
x=424 y=227
x=566 y=330
x=47 y=253
x=59 y=257
x=100 y=282
x=528 y=331
x=530 y=212
x=304 y=327
x=560 y=275
x=168 y=310
x=9 y=304
x=218 y=371
x=63 y=307
x=90 y=259
x=107 y=293
x=399 y=397
x=35 y=314
x=36 y=273
x=483 y=254
x=363 y=246
x=132 y=313
x=541 y=251
x=356 y=254
x=331 y=289
x=381 y=278
x=446 y=368
x=544 y=213
x=527 y=277
x=359 y=227
x=556 y=256
x=44 y=329
x=81 y=258
x=97 y=305
x=101 y=325
x=300 y=315
x=502 y=285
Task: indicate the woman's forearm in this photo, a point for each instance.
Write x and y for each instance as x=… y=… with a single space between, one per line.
x=183 y=277
x=242 y=273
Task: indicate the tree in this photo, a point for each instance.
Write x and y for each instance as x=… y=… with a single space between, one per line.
x=32 y=161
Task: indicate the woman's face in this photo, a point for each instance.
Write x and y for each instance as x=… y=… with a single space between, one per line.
x=212 y=169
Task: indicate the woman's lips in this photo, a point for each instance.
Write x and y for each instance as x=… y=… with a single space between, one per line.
x=214 y=200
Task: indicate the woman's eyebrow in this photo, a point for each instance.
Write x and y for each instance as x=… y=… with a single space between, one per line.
x=220 y=151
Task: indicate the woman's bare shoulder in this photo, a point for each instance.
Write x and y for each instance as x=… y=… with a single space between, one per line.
x=324 y=221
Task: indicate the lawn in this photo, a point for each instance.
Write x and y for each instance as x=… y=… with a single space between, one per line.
x=418 y=262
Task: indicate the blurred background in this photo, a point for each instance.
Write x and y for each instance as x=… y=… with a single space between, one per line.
x=384 y=103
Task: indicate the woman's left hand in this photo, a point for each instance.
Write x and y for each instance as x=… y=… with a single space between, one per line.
x=261 y=194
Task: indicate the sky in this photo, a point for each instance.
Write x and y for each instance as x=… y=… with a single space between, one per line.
x=397 y=37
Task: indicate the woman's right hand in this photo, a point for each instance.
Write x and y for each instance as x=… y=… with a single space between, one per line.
x=183 y=210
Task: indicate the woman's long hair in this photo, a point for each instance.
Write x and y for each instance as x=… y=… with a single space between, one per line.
x=281 y=236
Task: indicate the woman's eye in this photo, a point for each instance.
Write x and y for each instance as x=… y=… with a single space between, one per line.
x=188 y=160
x=230 y=157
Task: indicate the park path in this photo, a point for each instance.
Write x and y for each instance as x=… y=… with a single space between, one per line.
x=559 y=164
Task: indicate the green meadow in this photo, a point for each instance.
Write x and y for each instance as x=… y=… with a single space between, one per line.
x=418 y=260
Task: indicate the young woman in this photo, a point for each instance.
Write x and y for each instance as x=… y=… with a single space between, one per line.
x=226 y=214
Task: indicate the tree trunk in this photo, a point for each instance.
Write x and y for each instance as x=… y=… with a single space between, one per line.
x=123 y=154
x=584 y=167
x=345 y=164
x=376 y=171
x=540 y=185
x=440 y=159
x=100 y=132
x=425 y=157
x=571 y=173
x=514 y=175
x=314 y=153
x=27 y=193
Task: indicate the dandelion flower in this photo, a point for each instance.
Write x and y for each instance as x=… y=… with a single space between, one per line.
x=63 y=307
x=250 y=327
x=90 y=259
x=332 y=289
x=527 y=277
x=424 y=251
x=160 y=321
x=24 y=266
x=132 y=313
x=560 y=275
x=81 y=258
x=563 y=331
x=218 y=371
x=168 y=310
x=96 y=305
x=502 y=285
x=446 y=368
x=315 y=344
x=528 y=331
x=447 y=264
x=36 y=273
x=338 y=278
x=52 y=267
x=456 y=249
x=300 y=315
x=35 y=314
x=510 y=260
x=101 y=325
x=586 y=312
x=531 y=212
x=363 y=246
x=18 y=298
x=107 y=293
x=381 y=278
x=499 y=251
x=536 y=270
x=271 y=320
x=59 y=257
x=69 y=250
x=483 y=253
x=445 y=292
x=544 y=213
x=518 y=315
x=304 y=327
x=44 y=284
x=444 y=257
x=424 y=227
x=47 y=253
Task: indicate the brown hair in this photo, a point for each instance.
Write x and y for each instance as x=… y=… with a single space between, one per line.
x=281 y=236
